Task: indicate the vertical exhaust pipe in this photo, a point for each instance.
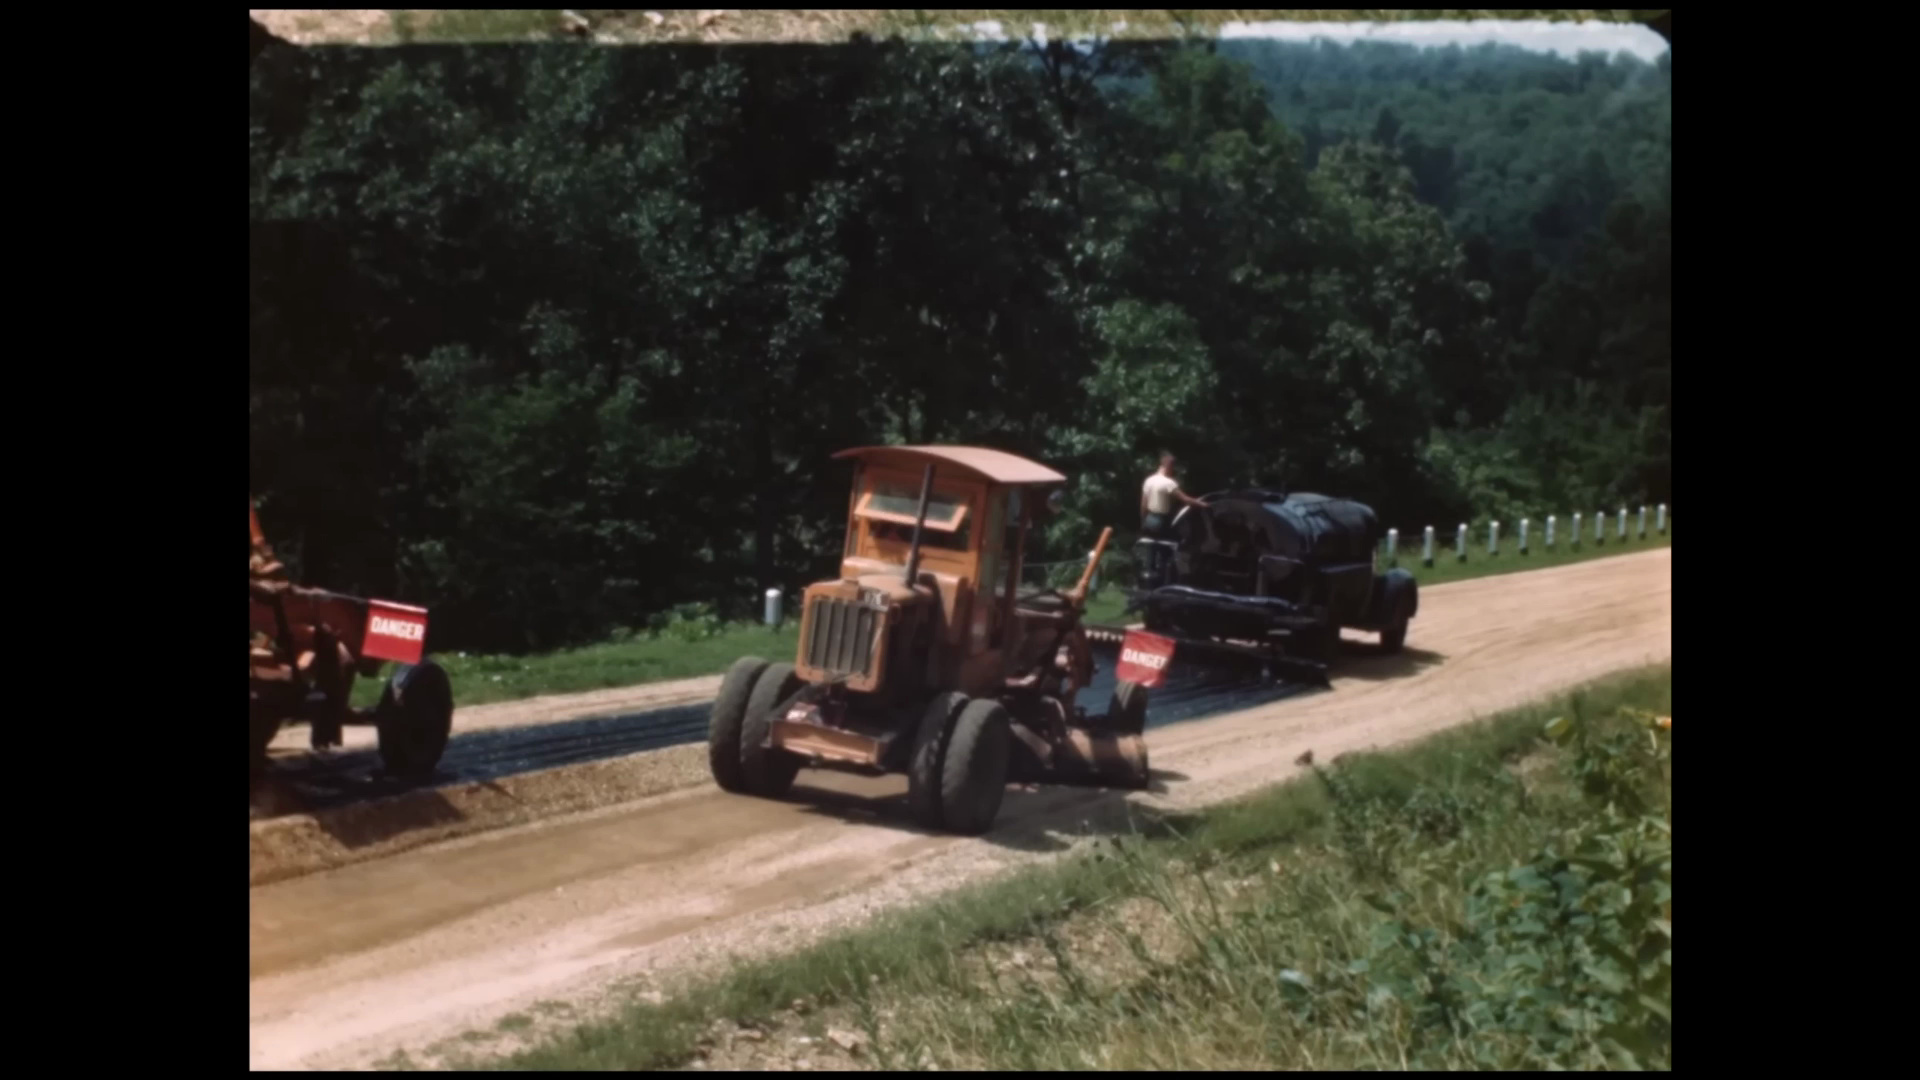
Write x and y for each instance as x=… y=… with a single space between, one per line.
x=919 y=523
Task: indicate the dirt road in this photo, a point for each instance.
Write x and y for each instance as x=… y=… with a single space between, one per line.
x=351 y=964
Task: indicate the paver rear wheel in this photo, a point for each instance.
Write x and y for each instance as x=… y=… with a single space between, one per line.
x=1394 y=638
x=1403 y=594
x=1318 y=643
x=973 y=776
x=724 y=722
x=767 y=771
x=414 y=717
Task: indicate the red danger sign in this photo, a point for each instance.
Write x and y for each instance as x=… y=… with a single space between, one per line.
x=395 y=632
x=1145 y=658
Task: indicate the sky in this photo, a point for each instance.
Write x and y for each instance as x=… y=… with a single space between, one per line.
x=1565 y=38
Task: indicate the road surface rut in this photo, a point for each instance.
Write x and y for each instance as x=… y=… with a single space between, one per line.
x=350 y=964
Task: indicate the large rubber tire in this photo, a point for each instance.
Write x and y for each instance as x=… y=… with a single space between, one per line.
x=723 y=723
x=929 y=751
x=415 y=717
x=973 y=774
x=1394 y=638
x=1406 y=604
x=767 y=771
x=1321 y=643
x=1127 y=710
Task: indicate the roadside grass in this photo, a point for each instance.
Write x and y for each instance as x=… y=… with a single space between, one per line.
x=1495 y=897
x=692 y=642
x=686 y=647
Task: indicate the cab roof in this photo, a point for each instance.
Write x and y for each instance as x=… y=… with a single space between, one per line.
x=994 y=466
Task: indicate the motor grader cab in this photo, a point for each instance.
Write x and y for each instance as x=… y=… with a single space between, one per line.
x=307 y=645
x=923 y=657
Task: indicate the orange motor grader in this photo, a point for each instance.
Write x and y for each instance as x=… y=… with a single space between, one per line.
x=922 y=657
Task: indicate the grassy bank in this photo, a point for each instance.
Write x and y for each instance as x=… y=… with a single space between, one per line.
x=693 y=643
x=686 y=648
x=1495 y=897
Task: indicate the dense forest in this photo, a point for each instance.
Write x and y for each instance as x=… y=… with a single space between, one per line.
x=555 y=338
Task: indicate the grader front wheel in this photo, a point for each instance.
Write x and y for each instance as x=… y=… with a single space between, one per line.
x=767 y=771
x=725 y=722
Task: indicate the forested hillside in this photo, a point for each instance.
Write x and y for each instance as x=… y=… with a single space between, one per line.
x=554 y=338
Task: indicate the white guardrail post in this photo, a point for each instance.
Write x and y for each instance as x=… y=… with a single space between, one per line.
x=1523 y=536
x=1460 y=542
x=1426 y=552
x=772 y=612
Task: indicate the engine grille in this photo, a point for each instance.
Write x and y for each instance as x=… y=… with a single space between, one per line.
x=840 y=637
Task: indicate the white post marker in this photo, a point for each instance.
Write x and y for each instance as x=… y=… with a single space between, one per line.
x=1523 y=536
x=1549 y=532
x=1393 y=546
x=1493 y=539
x=1093 y=585
x=1600 y=528
x=1643 y=521
x=1622 y=531
x=1576 y=531
x=772 y=612
x=1460 y=542
x=1663 y=519
x=1426 y=553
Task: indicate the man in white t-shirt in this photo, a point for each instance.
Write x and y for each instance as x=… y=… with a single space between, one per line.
x=1156 y=500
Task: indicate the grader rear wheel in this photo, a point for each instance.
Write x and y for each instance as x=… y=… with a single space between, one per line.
x=973 y=774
